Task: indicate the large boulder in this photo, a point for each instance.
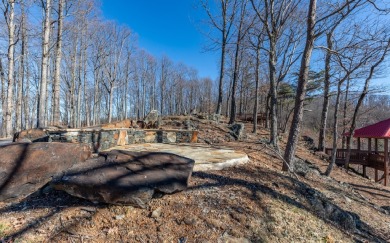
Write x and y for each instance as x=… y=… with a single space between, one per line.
x=27 y=167
x=151 y=120
x=33 y=135
x=237 y=130
x=127 y=178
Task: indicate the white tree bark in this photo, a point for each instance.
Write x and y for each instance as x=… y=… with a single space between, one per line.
x=44 y=67
x=57 y=71
x=19 y=118
x=11 y=81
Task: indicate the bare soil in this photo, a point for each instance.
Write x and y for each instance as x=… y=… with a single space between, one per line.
x=255 y=202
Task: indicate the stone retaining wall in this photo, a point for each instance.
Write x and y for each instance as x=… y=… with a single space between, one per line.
x=101 y=139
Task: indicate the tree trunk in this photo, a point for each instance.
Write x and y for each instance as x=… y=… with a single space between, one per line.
x=79 y=100
x=11 y=52
x=255 y=107
x=325 y=104
x=335 y=134
x=222 y=68
x=273 y=95
x=19 y=117
x=57 y=71
x=111 y=96
x=44 y=67
x=87 y=113
x=73 y=117
x=267 y=110
x=96 y=100
x=301 y=89
x=3 y=98
x=343 y=142
x=233 y=108
x=27 y=116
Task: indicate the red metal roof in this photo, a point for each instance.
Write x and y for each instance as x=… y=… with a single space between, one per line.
x=377 y=130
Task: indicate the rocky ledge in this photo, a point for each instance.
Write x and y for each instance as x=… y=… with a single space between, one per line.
x=27 y=167
x=127 y=178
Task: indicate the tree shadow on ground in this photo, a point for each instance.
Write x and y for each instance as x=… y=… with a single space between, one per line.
x=6 y=179
x=55 y=202
x=311 y=200
x=148 y=164
x=361 y=187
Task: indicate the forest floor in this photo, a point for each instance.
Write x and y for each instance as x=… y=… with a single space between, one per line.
x=255 y=202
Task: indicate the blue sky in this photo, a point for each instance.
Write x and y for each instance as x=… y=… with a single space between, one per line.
x=167 y=27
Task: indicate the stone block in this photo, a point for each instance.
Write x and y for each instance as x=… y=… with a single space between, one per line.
x=171 y=137
x=150 y=137
x=122 y=139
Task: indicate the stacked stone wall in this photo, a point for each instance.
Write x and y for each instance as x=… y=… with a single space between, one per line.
x=107 y=138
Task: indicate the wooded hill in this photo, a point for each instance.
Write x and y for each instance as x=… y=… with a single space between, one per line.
x=62 y=63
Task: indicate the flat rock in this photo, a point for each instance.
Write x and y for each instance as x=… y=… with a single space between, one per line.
x=127 y=178
x=205 y=157
x=27 y=167
x=34 y=135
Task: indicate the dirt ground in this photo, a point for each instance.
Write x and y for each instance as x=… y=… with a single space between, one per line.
x=255 y=202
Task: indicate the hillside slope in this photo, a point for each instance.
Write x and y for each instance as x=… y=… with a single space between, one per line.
x=255 y=202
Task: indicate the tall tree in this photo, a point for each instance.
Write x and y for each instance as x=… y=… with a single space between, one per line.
x=242 y=30
x=301 y=88
x=9 y=13
x=311 y=34
x=57 y=70
x=21 y=79
x=275 y=16
x=3 y=98
x=223 y=24
x=41 y=119
x=327 y=82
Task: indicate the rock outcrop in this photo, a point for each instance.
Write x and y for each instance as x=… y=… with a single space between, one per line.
x=237 y=130
x=27 y=167
x=152 y=120
x=33 y=135
x=127 y=178
x=326 y=209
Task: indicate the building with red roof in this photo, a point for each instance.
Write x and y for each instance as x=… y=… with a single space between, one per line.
x=372 y=157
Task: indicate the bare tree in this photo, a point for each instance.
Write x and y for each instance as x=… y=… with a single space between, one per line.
x=327 y=81
x=244 y=24
x=118 y=37
x=275 y=16
x=383 y=49
x=18 y=117
x=57 y=70
x=301 y=89
x=41 y=119
x=223 y=24
x=9 y=14
x=312 y=22
x=3 y=98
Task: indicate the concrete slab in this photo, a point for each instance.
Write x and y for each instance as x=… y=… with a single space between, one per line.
x=206 y=158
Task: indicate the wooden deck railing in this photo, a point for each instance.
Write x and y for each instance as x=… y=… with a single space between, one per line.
x=362 y=157
x=368 y=159
x=356 y=156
